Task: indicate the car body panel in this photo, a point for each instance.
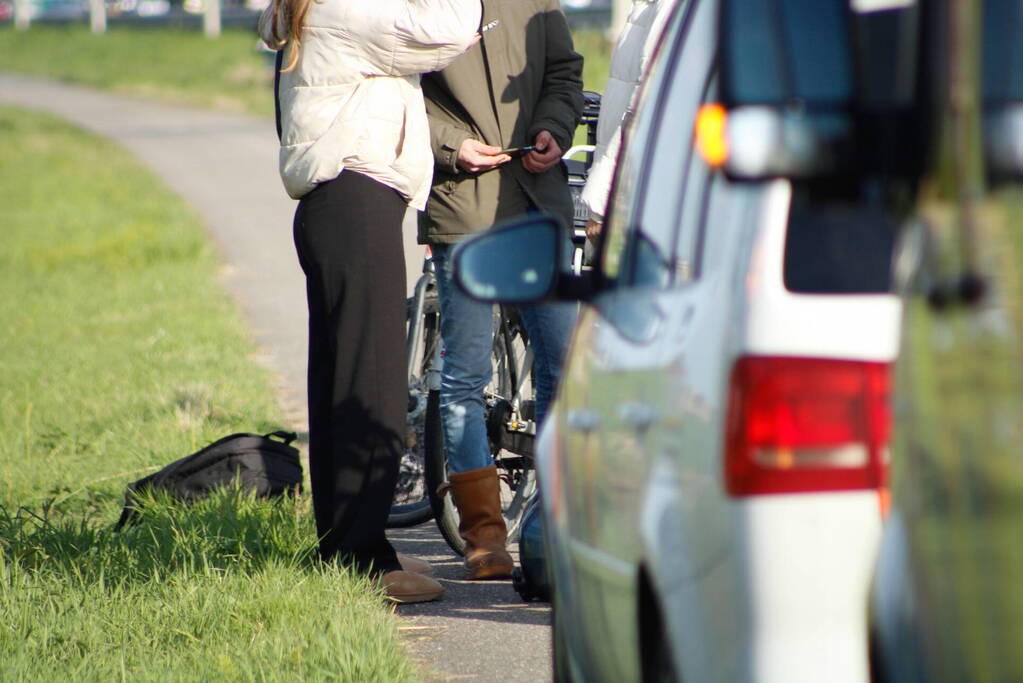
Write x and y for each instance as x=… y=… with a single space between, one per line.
x=763 y=588
x=651 y=499
x=860 y=326
x=947 y=604
x=808 y=560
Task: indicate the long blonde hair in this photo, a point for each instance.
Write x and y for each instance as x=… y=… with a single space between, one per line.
x=280 y=26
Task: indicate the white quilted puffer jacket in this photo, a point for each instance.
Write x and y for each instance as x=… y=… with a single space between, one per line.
x=353 y=100
x=633 y=50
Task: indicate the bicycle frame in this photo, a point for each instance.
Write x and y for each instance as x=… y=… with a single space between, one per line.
x=415 y=331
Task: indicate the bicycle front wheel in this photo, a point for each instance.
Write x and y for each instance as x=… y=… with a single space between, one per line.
x=411 y=504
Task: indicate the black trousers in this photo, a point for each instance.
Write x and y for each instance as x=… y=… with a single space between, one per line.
x=348 y=237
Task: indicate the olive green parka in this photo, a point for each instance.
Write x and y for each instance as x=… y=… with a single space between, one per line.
x=523 y=77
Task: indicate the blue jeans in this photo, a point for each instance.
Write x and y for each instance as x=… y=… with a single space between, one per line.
x=467 y=329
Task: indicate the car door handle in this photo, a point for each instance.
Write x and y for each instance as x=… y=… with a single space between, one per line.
x=640 y=416
x=585 y=421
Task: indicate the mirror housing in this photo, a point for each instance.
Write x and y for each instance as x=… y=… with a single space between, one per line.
x=516 y=261
x=815 y=89
x=768 y=142
x=1002 y=88
x=1003 y=143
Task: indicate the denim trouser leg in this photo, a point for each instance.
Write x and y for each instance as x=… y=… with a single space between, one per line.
x=467 y=329
x=549 y=326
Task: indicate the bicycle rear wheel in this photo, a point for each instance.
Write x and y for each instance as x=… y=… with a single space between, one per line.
x=512 y=451
x=411 y=503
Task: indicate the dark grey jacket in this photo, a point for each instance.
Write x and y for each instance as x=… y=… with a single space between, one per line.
x=523 y=77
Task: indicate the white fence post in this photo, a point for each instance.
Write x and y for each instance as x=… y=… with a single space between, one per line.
x=211 y=18
x=98 y=16
x=21 y=15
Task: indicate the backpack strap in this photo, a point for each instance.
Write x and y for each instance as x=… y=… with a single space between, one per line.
x=128 y=514
x=277 y=85
x=286 y=437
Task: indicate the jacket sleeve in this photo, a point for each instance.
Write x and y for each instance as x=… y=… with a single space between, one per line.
x=446 y=140
x=561 y=98
x=598 y=180
x=446 y=137
x=430 y=34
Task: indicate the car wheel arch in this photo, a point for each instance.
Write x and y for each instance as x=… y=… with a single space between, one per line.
x=656 y=659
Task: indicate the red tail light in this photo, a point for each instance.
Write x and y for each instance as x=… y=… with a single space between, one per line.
x=807 y=424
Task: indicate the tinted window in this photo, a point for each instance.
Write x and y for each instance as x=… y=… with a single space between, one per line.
x=837 y=248
x=633 y=160
x=644 y=236
x=671 y=209
x=691 y=219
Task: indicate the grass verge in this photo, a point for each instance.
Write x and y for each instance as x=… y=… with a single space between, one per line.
x=171 y=65
x=185 y=67
x=120 y=354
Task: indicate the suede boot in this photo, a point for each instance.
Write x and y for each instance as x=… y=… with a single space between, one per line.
x=477 y=495
x=403 y=586
x=415 y=565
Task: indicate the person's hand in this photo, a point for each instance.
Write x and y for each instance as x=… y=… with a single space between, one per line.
x=546 y=154
x=593 y=229
x=475 y=156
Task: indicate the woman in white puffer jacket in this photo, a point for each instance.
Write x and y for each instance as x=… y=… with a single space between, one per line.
x=632 y=52
x=355 y=151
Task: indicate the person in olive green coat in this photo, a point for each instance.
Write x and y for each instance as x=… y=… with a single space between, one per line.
x=520 y=86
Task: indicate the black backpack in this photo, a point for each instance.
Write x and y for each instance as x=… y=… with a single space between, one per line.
x=258 y=463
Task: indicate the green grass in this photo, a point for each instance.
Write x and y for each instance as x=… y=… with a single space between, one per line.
x=183 y=66
x=119 y=353
x=593 y=45
x=172 y=65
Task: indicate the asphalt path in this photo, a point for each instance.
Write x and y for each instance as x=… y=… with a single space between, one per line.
x=225 y=166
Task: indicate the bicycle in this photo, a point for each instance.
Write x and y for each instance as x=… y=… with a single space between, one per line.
x=411 y=504
x=509 y=403
x=508 y=411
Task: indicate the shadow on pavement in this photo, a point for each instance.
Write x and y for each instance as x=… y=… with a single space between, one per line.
x=493 y=601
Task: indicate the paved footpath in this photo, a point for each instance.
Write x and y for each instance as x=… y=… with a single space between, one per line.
x=225 y=166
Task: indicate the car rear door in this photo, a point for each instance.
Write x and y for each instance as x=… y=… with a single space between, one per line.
x=626 y=394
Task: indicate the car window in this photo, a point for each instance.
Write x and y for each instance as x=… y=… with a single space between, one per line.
x=725 y=201
x=631 y=163
x=837 y=247
x=644 y=244
x=693 y=218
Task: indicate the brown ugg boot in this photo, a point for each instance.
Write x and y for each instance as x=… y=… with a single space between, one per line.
x=477 y=495
x=403 y=586
x=415 y=565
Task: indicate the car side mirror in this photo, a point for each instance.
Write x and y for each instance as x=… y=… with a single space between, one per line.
x=814 y=89
x=1002 y=87
x=516 y=261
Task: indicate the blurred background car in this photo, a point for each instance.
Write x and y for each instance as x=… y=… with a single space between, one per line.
x=947 y=603
x=139 y=8
x=57 y=10
x=714 y=474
